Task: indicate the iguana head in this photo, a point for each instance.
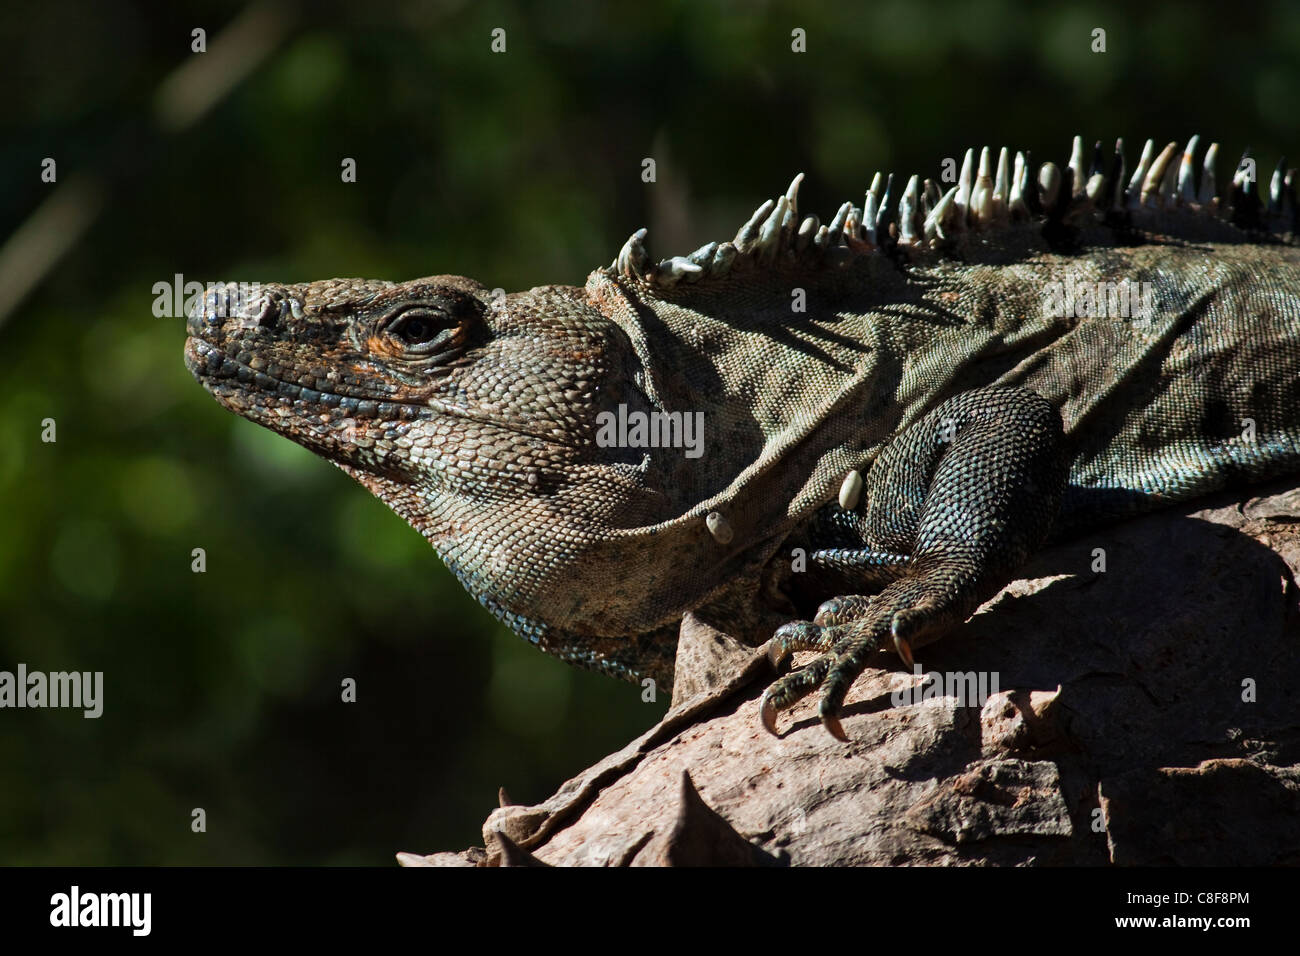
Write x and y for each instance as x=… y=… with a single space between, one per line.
x=431 y=381
x=471 y=415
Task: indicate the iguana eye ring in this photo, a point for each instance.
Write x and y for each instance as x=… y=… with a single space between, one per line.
x=422 y=330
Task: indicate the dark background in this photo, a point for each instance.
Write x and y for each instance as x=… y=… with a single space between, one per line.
x=518 y=169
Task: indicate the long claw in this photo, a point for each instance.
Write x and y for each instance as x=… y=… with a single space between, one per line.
x=767 y=713
x=832 y=724
x=904 y=650
x=833 y=691
x=777 y=653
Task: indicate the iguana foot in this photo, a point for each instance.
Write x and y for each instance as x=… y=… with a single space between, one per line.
x=914 y=610
x=959 y=500
x=826 y=631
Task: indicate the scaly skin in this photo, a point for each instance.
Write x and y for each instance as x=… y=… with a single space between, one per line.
x=916 y=354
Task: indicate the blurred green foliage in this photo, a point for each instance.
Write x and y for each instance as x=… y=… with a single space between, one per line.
x=519 y=169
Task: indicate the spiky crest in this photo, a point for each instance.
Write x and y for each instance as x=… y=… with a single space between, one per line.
x=924 y=221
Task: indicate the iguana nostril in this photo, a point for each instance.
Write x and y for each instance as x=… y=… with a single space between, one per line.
x=270 y=311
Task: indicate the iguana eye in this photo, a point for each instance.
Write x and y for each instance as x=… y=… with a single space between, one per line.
x=423 y=330
x=416 y=330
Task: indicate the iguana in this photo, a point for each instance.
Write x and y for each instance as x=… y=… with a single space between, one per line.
x=903 y=403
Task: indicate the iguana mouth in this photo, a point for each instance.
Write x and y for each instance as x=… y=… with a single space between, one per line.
x=218 y=372
x=226 y=377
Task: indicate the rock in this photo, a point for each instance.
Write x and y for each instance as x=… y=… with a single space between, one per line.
x=706 y=659
x=1221 y=812
x=699 y=836
x=471 y=857
x=1144 y=714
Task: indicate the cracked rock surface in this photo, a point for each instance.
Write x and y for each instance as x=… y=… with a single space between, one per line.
x=1144 y=714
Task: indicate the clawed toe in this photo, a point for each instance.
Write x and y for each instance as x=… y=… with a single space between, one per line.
x=847 y=630
x=797 y=636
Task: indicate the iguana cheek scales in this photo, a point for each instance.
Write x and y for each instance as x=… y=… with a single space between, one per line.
x=899 y=405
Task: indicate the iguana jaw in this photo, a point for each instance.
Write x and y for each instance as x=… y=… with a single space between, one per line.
x=328 y=423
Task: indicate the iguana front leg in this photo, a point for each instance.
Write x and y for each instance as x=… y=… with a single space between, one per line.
x=954 y=505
